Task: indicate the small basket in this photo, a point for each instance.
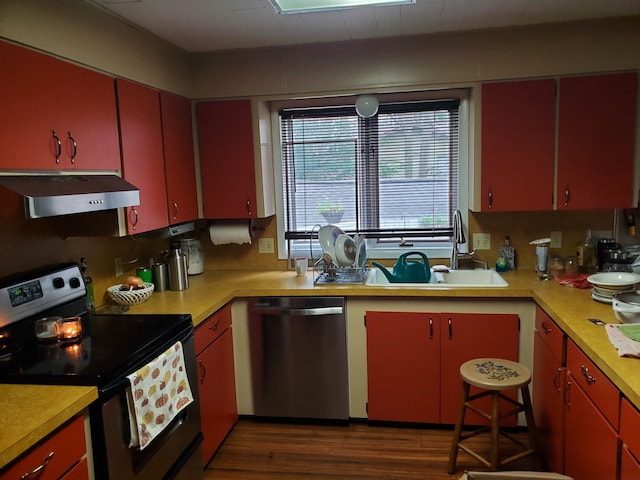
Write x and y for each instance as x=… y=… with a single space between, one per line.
x=130 y=297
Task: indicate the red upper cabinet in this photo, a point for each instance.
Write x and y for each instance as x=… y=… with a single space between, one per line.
x=235 y=159
x=41 y=95
x=180 y=168
x=142 y=155
x=518 y=142
x=596 y=141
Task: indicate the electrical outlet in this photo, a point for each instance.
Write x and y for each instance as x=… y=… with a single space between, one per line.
x=119 y=270
x=556 y=240
x=265 y=245
x=481 y=241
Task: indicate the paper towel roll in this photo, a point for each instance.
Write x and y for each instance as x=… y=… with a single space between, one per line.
x=230 y=232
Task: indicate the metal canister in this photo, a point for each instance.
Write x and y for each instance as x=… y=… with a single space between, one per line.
x=160 y=277
x=177 y=264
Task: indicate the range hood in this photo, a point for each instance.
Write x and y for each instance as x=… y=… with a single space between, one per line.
x=53 y=195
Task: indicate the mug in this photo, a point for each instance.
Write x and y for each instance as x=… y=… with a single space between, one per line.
x=301 y=265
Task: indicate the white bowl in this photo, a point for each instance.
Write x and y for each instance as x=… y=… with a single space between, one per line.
x=614 y=280
x=626 y=307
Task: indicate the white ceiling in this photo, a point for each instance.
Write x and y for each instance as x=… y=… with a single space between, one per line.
x=209 y=25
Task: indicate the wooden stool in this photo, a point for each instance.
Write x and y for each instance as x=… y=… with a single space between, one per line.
x=493 y=375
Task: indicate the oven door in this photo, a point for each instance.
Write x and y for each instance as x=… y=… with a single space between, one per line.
x=174 y=454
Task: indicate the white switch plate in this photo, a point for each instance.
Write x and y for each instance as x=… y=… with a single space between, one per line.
x=265 y=245
x=481 y=241
x=556 y=240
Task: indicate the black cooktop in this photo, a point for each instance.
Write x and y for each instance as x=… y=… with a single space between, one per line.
x=111 y=347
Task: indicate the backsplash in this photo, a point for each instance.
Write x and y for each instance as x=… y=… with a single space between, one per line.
x=32 y=243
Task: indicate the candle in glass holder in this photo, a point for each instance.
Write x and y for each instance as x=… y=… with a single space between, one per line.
x=71 y=329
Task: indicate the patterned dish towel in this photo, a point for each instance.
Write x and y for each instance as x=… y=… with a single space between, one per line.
x=159 y=391
x=626 y=347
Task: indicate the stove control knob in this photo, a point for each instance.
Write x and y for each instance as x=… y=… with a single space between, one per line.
x=74 y=282
x=58 y=282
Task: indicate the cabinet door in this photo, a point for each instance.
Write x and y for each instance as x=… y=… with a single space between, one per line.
x=180 y=167
x=218 y=408
x=227 y=170
x=548 y=404
x=40 y=95
x=518 y=142
x=142 y=158
x=403 y=366
x=596 y=141
x=464 y=337
x=629 y=466
x=63 y=449
x=591 y=447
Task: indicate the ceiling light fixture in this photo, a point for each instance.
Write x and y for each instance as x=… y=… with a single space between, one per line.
x=307 y=6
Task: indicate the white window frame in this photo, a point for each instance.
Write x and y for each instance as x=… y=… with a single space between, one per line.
x=374 y=250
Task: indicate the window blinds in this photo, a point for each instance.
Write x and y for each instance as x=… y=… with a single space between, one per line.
x=389 y=176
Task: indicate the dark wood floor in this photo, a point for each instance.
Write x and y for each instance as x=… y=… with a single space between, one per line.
x=269 y=451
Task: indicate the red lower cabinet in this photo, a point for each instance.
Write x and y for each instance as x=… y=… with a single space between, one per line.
x=592 y=407
x=217 y=386
x=64 y=451
x=630 y=452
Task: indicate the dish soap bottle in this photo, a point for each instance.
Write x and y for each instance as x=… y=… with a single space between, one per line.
x=587 y=254
x=506 y=256
x=88 y=285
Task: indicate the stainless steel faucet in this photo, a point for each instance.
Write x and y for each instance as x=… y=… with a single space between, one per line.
x=457 y=239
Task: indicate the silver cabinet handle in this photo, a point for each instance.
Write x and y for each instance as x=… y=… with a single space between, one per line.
x=545 y=328
x=556 y=381
x=450 y=325
x=585 y=373
x=249 y=208
x=214 y=326
x=430 y=327
x=203 y=371
x=567 y=196
x=58 y=146
x=175 y=209
x=567 y=400
x=37 y=470
x=74 y=151
x=133 y=217
x=490 y=198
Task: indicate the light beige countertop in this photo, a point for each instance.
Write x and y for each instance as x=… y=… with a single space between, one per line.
x=210 y=291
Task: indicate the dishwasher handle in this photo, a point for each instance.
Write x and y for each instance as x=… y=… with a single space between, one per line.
x=296 y=312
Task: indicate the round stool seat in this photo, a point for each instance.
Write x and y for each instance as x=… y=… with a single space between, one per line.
x=495 y=373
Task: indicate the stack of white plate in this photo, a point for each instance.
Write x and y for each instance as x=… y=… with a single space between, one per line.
x=606 y=284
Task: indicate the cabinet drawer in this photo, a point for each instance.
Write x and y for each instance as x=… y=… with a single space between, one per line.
x=212 y=327
x=64 y=449
x=79 y=472
x=597 y=386
x=551 y=334
x=630 y=426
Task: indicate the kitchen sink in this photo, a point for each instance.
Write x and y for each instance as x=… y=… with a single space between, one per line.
x=450 y=279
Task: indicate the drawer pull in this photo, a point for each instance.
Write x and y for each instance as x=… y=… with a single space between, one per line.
x=58 y=146
x=567 y=400
x=556 y=381
x=203 y=371
x=213 y=327
x=450 y=325
x=430 y=327
x=585 y=373
x=39 y=469
x=545 y=328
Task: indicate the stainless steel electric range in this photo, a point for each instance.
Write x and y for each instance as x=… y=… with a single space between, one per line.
x=109 y=348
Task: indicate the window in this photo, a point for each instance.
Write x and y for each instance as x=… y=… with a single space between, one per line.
x=393 y=177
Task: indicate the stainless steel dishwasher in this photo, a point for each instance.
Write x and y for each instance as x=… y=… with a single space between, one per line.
x=298 y=353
